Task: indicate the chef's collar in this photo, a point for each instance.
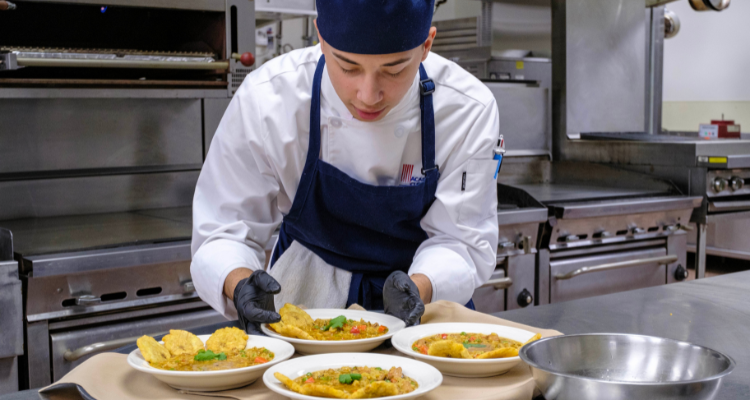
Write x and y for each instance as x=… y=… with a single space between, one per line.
x=331 y=102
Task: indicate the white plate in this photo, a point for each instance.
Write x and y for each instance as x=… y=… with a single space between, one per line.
x=205 y=381
x=457 y=366
x=305 y=346
x=427 y=377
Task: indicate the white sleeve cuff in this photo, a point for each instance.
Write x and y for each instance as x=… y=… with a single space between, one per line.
x=211 y=264
x=452 y=278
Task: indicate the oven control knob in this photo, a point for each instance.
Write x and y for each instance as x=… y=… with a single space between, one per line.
x=719 y=184
x=525 y=298
x=680 y=273
x=637 y=231
x=736 y=183
x=602 y=235
x=246 y=59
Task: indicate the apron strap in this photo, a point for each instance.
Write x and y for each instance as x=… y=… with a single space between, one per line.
x=313 y=151
x=426 y=88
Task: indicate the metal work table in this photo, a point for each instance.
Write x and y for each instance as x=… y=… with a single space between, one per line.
x=36 y=236
x=712 y=312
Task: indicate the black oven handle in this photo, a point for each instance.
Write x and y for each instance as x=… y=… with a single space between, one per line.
x=94 y=348
x=623 y=264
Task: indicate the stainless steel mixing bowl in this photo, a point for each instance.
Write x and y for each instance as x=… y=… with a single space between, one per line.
x=619 y=366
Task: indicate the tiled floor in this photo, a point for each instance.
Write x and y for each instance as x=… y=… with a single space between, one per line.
x=718 y=266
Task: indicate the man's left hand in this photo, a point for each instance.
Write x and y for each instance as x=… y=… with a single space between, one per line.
x=401 y=298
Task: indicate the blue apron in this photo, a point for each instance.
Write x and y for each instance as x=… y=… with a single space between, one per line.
x=368 y=230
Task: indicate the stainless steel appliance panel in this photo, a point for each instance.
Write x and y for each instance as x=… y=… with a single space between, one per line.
x=524 y=117
x=726 y=235
x=38 y=354
x=108 y=289
x=543 y=277
x=522 y=269
x=61 y=342
x=206 y=5
x=599 y=77
x=74 y=134
x=8 y=375
x=528 y=68
x=604 y=282
x=96 y=194
x=677 y=245
x=490 y=297
x=11 y=312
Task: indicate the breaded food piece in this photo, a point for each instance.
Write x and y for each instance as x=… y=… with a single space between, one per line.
x=375 y=389
x=312 y=389
x=291 y=331
x=152 y=351
x=293 y=386
x=227 y=340
x=295 y=316
x=499 y=353
x=534 y=338
x=395 y=373
x=180 y=342
x=448 y=348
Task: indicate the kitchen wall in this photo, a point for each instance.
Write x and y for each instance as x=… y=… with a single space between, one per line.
x=706 y=67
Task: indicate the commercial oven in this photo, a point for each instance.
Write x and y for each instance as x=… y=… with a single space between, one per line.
x=105 y=125
x=599 y=247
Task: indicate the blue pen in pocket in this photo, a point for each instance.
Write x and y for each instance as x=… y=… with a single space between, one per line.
x=498 y=153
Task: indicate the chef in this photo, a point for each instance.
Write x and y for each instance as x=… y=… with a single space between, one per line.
x=374 y=158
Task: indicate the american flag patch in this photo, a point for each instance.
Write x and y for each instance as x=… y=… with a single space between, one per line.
x=406 y=172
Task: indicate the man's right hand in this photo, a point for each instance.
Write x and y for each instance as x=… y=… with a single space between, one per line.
x=253 y=299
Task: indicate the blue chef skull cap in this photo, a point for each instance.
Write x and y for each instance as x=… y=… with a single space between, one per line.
x=374 y=26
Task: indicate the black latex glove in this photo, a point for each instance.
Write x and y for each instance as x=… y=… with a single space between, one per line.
x=401 y=298
x=253 y=299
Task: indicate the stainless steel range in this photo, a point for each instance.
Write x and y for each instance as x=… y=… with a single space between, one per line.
x=93 y=283
x=716 y=170
x=106 y=124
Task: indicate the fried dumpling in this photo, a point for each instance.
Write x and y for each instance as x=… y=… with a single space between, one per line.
x=152 y=351
x=295 y=316
x=180 y=342
x=375 y=389
x=291 y=331
x=448 y=348
x=227 y=340
x=499 y=353
x=291 y=384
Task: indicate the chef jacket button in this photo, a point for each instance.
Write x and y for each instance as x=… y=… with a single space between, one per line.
x=336 y=123
x=400 y=131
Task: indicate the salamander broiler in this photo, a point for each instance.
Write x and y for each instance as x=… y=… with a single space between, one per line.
x=107 y=109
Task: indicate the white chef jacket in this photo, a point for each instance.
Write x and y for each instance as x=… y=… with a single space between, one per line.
x=256 y=158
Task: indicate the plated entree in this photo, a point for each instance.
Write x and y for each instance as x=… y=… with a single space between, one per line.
x=183 y=351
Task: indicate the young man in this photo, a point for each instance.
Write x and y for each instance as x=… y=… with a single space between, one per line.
x=375 y=157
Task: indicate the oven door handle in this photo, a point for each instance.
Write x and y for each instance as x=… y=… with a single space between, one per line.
x=624 y=264
x=499 y=284
x=100 y=347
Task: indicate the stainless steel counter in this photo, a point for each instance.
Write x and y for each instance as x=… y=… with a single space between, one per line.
x=711 y=312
